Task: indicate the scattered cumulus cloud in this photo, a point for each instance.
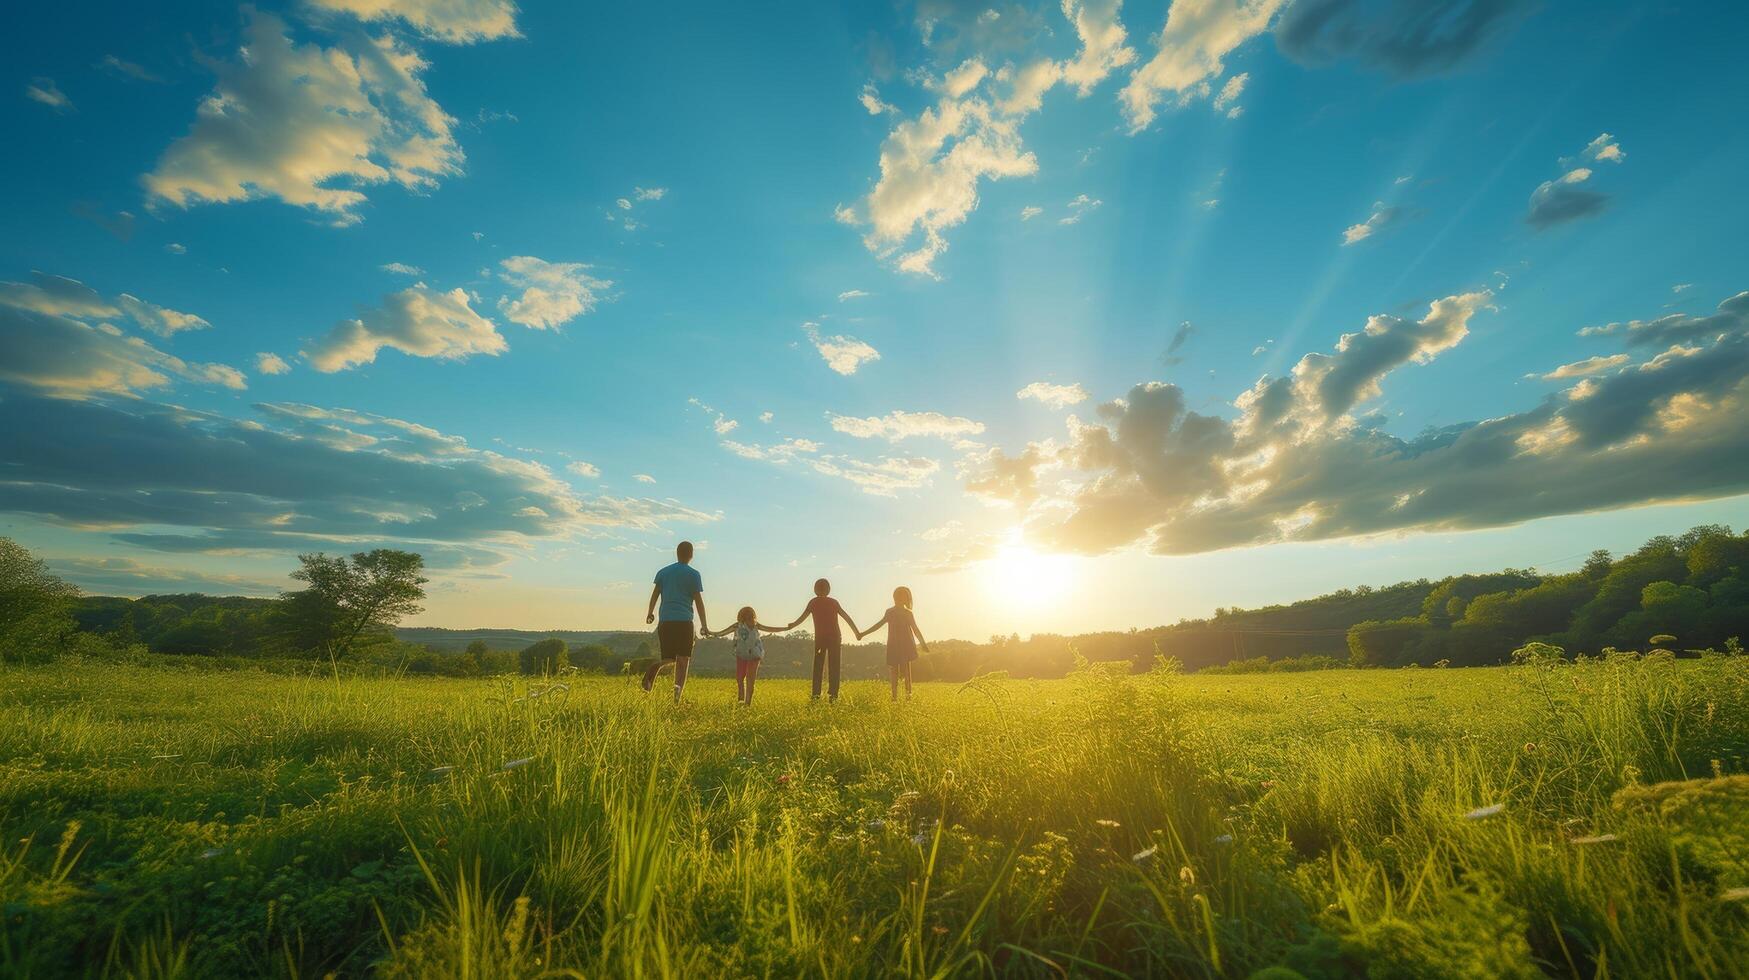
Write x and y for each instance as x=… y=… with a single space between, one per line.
x=898 y=425
x=1298 y=463
x=310 y=126
x=1191 y=54
x=587 y=470
x=267 y=362
x=70 y=297
x=552 y=293
x=1053 y=395
x=418 y=321
x=643 y=478
x=1030 y=212
x=1078 y=209
x=127 y=69
x=176 y=248
x=402 y=269
x=851 y=294
x=54 y=340
x=841 y=353
x=1566 y=198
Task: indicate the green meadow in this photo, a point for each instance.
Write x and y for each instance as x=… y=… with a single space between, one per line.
x=1554 y=818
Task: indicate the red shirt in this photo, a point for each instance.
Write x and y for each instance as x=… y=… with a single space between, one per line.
x=825 y=611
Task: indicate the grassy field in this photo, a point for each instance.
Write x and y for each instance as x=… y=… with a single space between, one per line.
x=1564 y=820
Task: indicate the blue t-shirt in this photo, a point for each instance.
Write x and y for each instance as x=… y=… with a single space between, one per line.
x=679 y=583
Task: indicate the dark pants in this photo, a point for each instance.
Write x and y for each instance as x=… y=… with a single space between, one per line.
x=675 y=640
x=826 y=650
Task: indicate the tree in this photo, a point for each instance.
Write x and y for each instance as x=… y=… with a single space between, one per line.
x=349 y=600
x=543 y=657
x=34 y=605
x=476 y=657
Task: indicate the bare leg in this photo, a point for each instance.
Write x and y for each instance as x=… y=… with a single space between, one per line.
x=752 y=672
x=893 y=671
x=680 y=675
x=907 y=670
x=819 y=669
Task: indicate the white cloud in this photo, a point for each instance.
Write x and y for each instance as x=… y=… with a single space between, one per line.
x=267 y=362
x=1078 y=209
x=766 y=417
x=1226 y=101
x=649 y=193
x=643 y=478
x=871 y=100
x=943 y=532
x=881 y=478
x=176 y=248
x=455 y=21
x=1682 y=287
x=720 y=422
x=1053 y=395
x=45 y=90
x=623 y=203
x=310 y=126
x=1193 y=46
x=402 y=269
x=851 y=294
x=841 y=353
x=1030 y=212
x=583 y=469
x=1588 y=366
x=1382 y=217
x=418 y=321
x=553 y=293
x=1103 y=48
x=898 y=425
x=70 y=297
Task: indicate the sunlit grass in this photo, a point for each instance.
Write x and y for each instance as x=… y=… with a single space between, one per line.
x=1541 y=820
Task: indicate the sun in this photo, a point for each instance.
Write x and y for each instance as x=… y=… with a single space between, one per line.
x=1023 y=579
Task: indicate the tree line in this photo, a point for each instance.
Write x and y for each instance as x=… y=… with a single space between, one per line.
x=1690 y=591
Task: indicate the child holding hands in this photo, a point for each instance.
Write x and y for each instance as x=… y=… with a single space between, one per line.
x=903 y=639
x=749 y=650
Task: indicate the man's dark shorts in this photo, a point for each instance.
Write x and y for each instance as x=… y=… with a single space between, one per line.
x=675 y=637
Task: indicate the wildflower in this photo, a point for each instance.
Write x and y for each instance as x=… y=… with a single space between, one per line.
x=517 y=763
x=1186 y=876
x=1267 y=784
x=941 y=930
x=1594 y=839
x=856 y=940
x=1108 y=824
x=920 y=838
x=783 y=780
x=876 y=824
x=1145 y=855
x=1484 y=812
x=1529 y=748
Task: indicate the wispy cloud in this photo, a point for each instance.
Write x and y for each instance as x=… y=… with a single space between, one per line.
x=552 y=293
x=898 y=425
x=1053 y=395
x=45 y=90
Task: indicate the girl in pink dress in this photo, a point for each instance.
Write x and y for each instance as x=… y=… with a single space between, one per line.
x=903 y=639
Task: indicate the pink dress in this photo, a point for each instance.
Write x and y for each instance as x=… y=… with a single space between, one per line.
x=901 y=642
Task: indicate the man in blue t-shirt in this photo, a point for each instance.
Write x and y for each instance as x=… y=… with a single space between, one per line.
x=680 y=589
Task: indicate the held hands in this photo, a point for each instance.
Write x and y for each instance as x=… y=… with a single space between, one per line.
x=649 y=618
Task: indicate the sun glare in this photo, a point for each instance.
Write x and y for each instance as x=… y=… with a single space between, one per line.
x=1023 y=579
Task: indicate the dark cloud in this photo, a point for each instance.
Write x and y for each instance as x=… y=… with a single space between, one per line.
x=1297 y=466
x=1406 y=38
x=1567 y=197
x=175 y=480
x=127 y=577
x=1179 y=338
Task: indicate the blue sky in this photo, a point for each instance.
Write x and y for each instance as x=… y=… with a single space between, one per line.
x=1069 y=316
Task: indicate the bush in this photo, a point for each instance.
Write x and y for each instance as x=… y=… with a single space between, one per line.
x=544 y=657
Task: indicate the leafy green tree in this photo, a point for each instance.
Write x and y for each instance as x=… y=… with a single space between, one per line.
x=351 y=600
x=35 y=606
x=475 y=657
x=543 y=657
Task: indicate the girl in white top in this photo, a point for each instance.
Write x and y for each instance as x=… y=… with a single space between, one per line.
x=749 y=650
